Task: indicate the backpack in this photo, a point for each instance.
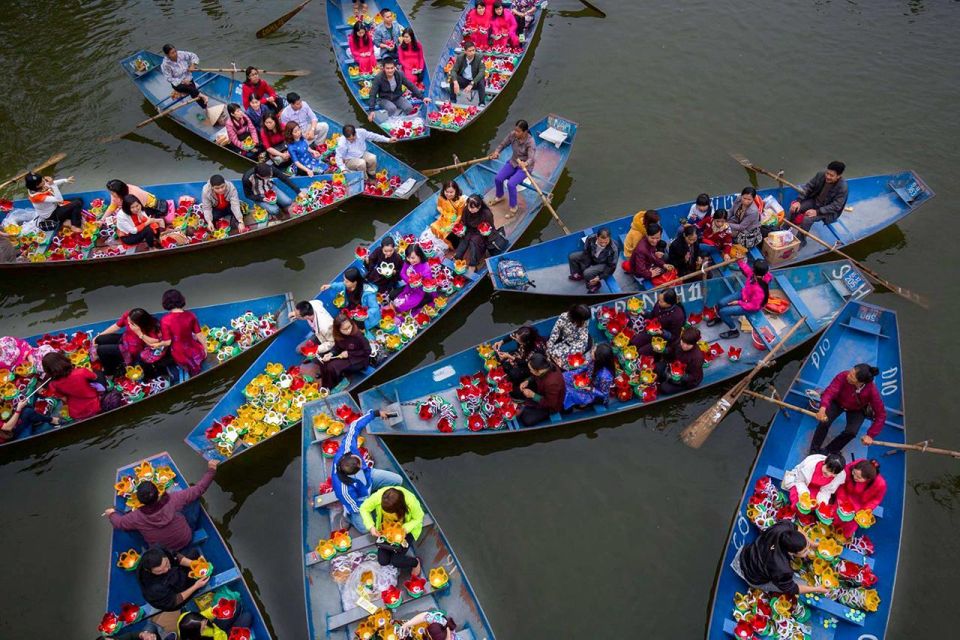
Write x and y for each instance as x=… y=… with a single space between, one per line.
x=513 y=275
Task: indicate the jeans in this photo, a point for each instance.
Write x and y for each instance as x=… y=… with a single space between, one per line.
x=283 y=201
x=30 y=418
x=854 y=422
x=512 y=176
x=379 y=478
x=400 y=106
x=728 y=312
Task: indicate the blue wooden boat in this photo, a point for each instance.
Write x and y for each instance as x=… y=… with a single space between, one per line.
x=123 y=590
x=816 y=292
x=478 y=179
x=340 y=24
x=861 y=333
x=46 y=250
x=875 y=203
x=502 y=66
x=217 y=315
x=327 y=616
x=220 y=88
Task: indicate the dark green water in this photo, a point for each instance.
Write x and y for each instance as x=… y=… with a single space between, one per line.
x=607 y=530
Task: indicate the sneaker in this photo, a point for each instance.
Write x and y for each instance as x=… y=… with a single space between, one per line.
x=730 y=335
x=713 y=322
x=576 y=277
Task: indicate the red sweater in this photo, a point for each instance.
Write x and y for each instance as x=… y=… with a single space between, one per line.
x=863 y=495
x=722 y=241
x=845 y=395
x=82 y=399
x=260 y=89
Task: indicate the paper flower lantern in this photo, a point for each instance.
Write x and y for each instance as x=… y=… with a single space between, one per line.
x=130 y=613
x=415 y=586
x=225 y=609
x=438 y=578
x=129 y=560
x=200 y=568
x=110 y=624
x=392 y=597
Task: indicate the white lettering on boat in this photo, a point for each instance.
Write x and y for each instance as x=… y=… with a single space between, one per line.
x=888 y=381
x=740 y=532
x=823 y=347
x=863 y=288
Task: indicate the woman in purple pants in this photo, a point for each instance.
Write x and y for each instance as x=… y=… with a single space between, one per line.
x=524 y=155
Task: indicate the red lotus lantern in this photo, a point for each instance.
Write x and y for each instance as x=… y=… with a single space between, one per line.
x=422 y=319
x=130 y=613
x=459 y=281
x=677 y=369
x=867 y=577
x=415 y=586
x=786 y=512
x=109 y=624
x=606 y=314
x=733 y=353
x=484 y=228
x=582 y=381
x=622 y=381
x=426 y=412
x=359 y=314
x=716 y=350
x=575 y=360
x=653 y=327
x=214 y=431
x=744 y=630
x=361 y=253
x=297 y=383
x=345 y=413
x=444 y=425
x=495 y=421
x=225 y=609
x=647 y=362
x=475 y=422
x=649 y=393
x=695 y=319
x=459 y=229
x=392 y=597
x=709 y=314
x=6 y=205
x=309 y=350
x=330 y=447
x=240 y=633
x=326 y=486
x=624 y=393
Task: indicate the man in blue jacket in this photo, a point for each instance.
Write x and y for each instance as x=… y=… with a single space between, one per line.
x=353 y=478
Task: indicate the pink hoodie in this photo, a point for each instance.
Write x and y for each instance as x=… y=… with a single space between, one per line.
x=751 y=296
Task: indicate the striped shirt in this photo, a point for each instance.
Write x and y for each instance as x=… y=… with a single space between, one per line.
x=178 y=71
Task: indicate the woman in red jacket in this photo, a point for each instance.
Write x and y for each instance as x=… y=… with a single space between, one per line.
x=254 y=86
x=410 y=53
x=361 y=48
x=851 y=392
x=863 y=490
x=271 y=137
x=476 y=27
x=74 y=384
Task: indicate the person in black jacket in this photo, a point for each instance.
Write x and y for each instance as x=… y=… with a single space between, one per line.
x=164 y=578
x=822 y=199
x=765 y=563
x=386 y=92
x=684 y=251
x=468 y=75
x=258 y=180
x=597 y=260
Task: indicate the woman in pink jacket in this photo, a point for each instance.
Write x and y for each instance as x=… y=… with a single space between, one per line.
x=863 y=490
x=753 y=296
x=503 y=28
x=239 y=128
x=361 y=48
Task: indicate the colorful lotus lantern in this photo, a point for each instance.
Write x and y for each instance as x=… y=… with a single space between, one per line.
x=826 y=513
x=329 y=448
x=200 y=568
x=659 y=344
x=865 y=518
x=129 y=560
x=677 y=370
x=240 y=633
x=415 y=586
x=130 y=613
x=225 y=609
x=438 y=578
x=392 y=597
x=342 y=541
x=393 y=533
x=733 y=353
x=110 y=624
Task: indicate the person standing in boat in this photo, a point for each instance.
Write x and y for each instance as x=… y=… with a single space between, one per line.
x=670 y=315
x=684 y=251
x=817 y=475
x=570 y=335
x=394 y=505
x=469 y=74
x=353 y=479
x=638 y=231
x=387 y=34
x=477 y=221
x=647 y=261
x=863 y=489
x=257 y=182
x=358 y=294
x=596 y=262
x=853 y=393
x=297 y=110
x=751 y=298
x=514 y=171
x=386 y=92
x=256 y=87
x=515 y=363
x=315 y=314
x=600 y=370
x=744 y=219
x=219 y=199
x=383 y=266
x=167 y=520
x=690 y=359
x=765 y=563
x=181 y=331
x=350 y=354
x=177 y=69
x=822 y=199
x=352 y=153
x=544 y=391
x=53 y=210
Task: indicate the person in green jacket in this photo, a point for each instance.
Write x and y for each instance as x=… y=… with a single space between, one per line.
x=394 y=504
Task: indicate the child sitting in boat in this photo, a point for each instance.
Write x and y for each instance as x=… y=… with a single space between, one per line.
x=715 y=233
x=544 y=391
x=670 y=315
x=590 y=384
x=388 y=506
x=701 y=208
x=638 y=231
x=412 y=296
x=817 y=475
x=863 y=489
x=684 y=371
x=321 y=322
x=350 y=354
x=359 y=297
x=752 y=297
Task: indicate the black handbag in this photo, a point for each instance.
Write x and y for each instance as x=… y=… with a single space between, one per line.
x=497 y=242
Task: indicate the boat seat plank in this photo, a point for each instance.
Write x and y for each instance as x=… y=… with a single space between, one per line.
x=832 y=607
x=408 y=609
x=360 y=543
x=857 y=324
x=325 y=500
x=794 y=297
x=777 y=474
x=199 y=537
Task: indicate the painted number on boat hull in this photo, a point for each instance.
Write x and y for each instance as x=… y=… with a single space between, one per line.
x=889 y=381
x=852 y=280
x=822 y=349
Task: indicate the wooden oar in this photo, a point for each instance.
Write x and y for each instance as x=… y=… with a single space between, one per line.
x=921 y=447
x=282 y=20
x=701 y=428
x=691 y=275
x=54 y=159
x=297 y=73
x=594 y=7
x=781 y=403
x=148 y=121
x=758 y=169
x=876 y=277
x=546 y=201
x=456 y=165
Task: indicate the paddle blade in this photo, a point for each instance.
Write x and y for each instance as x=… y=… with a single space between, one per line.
x=700 y=429
x=294 y=73
x=282 y=20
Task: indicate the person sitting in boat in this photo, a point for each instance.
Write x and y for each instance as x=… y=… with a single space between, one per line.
x=822 y=199
x=353 y=478
x=75 y=385
x=218 y=200
x=361 y=48
x=599 y=373
x=450 y=205
x=152 y=206
x=515 y=170
x=134 y=225
x=638 y=231
x=350 y=354
x=241 y=131
x=256 y=87
x=164 y=578
x=297 y=110
x=383 y=266
x=515 y=363
x=468 y=75
x=670 y=315
x=194 y=625
x=256 y=110
x=140 y=344
x=524 y=12
x=258 y=183
x=701 y=208
x=476 y=27
x=410 y=56
x=684 y=251
x=570 y=335
x=387 y=34
x=744 y=219
x=274 y=141
x=863 y=489
x=149 y=630
x=359 y=295
x=596 y=262
x=53 y=210
x=647 y=261
x=387 y=92
x=544 y=391
x=411 y=296
x=180 y=330
x=765 y=563
x=315 y=314
x=24 y=421
x=392 y=505
x=360 y=10
x=851 y=392
x=818 y=476
x=352 y=153
x=503 y=28
x=305 y=158
x=715 y=233
x=439 y=626
x=477 y=221
x=685 y=369
x=166 y=520
x=751 y=298
x=177 y=69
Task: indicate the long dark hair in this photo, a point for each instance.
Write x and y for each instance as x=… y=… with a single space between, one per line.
x=760 y=269
x=366 y=33
x=414 y=45
x=57 y=365
x=393 y=501
x=277 y=128
x=527 y=338
x=118 y=187
x=353 y=297
x=190 y=626
x=144 y=321
x=603 y=358
x=578 y=314
x=869 y=469
x=474 y=218
x=338 y=335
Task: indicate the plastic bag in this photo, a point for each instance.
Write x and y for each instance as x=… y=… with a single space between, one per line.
x=383 y=577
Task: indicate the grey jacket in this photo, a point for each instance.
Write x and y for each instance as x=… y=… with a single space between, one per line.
x=749 y=221
x=836 y=198
x=208 y=200
x=380 y=88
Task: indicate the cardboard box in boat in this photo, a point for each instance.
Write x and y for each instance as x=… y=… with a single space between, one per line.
x=777 y=253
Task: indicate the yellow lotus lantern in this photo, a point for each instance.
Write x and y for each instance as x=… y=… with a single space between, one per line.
x=129 y=560
x=865 y=518
x=630 y=353
x=164 y=475
x=339 y=301
x=635 y=305
x=365 y=630
x=134 y=373
x=829 y=578
x=144 y=471
x=321 y=421
x=274 y=369
x=335 y=428
x=620 y=341
x=133 y=502
x=342 y=541
x=805 y=503
x=380 y=618
x=200 y=568
x=366 y=579
x=871 y=600
x=486 y=351
x=212 y=345
x=648 y=377
x=828 y=549
x=325 y=549
x=388 y=632
x=393 y=532
x=783 y=606
x=78 y=357
x=438 y=577
x=659 y=344
x=125 y=487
